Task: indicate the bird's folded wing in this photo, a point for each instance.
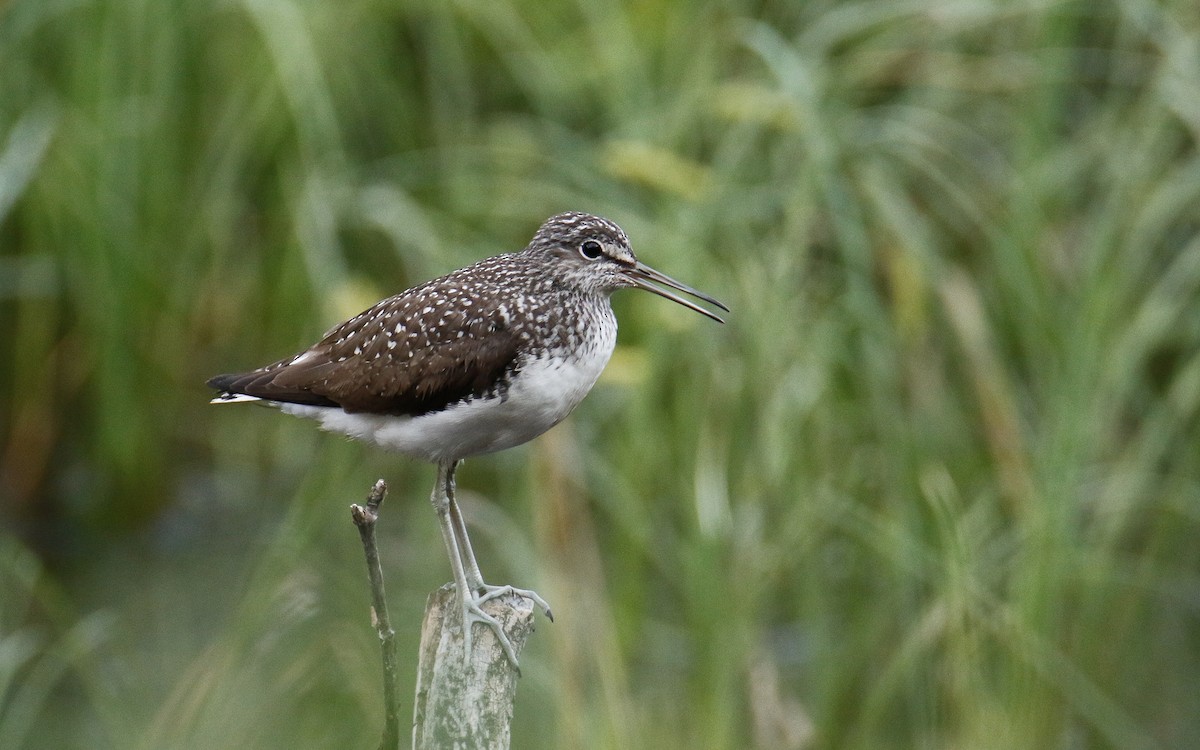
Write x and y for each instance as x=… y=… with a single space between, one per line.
x=396 y=358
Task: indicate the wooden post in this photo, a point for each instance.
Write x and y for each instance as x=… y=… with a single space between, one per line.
x=467 y=703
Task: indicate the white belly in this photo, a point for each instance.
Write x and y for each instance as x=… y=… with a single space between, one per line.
x=540 y=396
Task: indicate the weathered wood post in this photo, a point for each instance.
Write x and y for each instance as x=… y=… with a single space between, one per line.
x=467 y=703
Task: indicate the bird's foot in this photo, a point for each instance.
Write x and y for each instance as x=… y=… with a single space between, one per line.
x=490 y=592
x=472 y=606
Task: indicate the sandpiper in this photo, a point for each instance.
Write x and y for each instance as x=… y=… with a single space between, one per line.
x=482 y=359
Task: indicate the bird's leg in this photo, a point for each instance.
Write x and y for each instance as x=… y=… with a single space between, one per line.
x=468 y=598
x=470 y=565
x=485 y=591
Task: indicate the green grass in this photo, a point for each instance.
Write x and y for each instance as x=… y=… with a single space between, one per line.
x=935 y=485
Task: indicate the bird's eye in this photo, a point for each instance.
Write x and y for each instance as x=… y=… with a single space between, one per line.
x=590 y=249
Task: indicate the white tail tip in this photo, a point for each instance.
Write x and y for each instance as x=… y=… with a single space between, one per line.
x=234 y=398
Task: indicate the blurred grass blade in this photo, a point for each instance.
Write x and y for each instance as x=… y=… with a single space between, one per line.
x=23 y=151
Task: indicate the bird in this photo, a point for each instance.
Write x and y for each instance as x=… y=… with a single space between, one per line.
x=477 y=361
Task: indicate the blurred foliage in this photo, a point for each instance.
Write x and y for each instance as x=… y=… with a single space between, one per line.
x=934 y=485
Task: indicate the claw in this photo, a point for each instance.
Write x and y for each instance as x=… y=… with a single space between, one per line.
x=473 y=612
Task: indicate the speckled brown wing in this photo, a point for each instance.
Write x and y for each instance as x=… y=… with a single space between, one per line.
x=410 y=354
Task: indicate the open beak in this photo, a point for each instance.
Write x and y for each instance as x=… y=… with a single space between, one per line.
x=642 y=275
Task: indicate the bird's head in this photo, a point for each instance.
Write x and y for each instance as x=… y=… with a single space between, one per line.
x=593 y=254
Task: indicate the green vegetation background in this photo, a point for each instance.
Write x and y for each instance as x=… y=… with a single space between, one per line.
x=935 y=485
